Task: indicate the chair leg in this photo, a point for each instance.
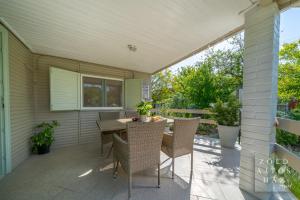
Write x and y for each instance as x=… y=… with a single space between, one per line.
x=116 y=166
x=158 y=175
x=192 y=158
x=110 y=150
x=173 y=167
x=101 y=145
x=129 y=185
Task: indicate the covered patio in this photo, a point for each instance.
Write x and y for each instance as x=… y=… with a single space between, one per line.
x=71 y=60
x=79 y=172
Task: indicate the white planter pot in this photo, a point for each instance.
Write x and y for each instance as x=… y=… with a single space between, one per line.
x=144 y=118
x=228 y=135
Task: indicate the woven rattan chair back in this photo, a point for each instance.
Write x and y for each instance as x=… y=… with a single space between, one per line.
x=144 y=143
x=131 y=114
x=109 y=115
x=184 y=132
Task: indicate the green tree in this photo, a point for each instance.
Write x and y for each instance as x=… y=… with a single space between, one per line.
x=229 y=63
x=289 y=71
x=196 y=85
x=201 y=86
x=216 y=76
x=162 y=86
x=181 y=98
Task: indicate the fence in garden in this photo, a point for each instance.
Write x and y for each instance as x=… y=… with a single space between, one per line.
x=188 y=111
x=197 y=112
x=291 y=126
x=283 y=107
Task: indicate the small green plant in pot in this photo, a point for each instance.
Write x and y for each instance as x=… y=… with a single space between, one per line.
x=227 y=117
x=43 y=137
x=143 y=108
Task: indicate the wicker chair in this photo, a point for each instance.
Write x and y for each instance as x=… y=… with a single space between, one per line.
x=102 y=135
x=109 y=115
x=131 y=114
x=142 y=151
x=180 y=141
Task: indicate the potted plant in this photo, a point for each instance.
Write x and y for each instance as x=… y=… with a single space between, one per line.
x=43 y=137
x=227 y=117
x=143 y=109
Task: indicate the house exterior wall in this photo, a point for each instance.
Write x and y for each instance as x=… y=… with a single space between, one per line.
x=21 y=99
x=259 y=96
x=76 y=127
x=30 y=99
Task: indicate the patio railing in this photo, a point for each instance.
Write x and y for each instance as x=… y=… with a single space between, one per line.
x=291 y=126
x=188 y=111
x=288 y=125
x=283 y=107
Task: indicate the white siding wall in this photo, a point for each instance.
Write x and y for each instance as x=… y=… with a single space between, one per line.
x=259 y=92
x=21 y=97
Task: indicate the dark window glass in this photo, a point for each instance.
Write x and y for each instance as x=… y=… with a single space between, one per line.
x=114 y=93
x=93 y=89
x=99 y=92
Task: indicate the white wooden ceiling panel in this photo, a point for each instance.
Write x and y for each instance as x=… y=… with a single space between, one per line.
x=99 y=31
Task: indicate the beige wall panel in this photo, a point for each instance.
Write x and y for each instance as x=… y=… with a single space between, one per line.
x=21 y=99
x=30 y=99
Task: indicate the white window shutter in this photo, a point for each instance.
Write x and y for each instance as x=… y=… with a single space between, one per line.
x=133 y=92
x=64 y=90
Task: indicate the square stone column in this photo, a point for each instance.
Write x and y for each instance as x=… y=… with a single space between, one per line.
x=259 y=97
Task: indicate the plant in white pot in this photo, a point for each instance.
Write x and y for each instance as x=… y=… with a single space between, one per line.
x=227 y=117
x=143 y=108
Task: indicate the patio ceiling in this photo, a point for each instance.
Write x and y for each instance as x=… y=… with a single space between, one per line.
x=99 y=31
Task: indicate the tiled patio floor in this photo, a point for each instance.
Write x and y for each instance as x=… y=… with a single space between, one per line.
x=79 y=172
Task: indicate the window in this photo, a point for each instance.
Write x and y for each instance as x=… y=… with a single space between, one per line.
x=98 y=92
x=146 y=91
x=93 y=95
x=114 y=93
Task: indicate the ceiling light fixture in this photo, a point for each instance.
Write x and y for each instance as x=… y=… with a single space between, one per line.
x=132 y=47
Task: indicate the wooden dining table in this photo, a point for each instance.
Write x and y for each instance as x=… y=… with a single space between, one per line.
x=120 y=124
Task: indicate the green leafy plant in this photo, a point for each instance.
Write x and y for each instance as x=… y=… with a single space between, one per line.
x=227 y=114
x=295 y=114
x=143 y=108
x=289 y=71
x=285 y=138
x=291 y=178
x=164 y=111
x=43 y=135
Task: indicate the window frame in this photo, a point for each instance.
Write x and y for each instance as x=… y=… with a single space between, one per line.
x=100 y=108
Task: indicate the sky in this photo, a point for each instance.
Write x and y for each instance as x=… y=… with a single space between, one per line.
x=289 y=32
